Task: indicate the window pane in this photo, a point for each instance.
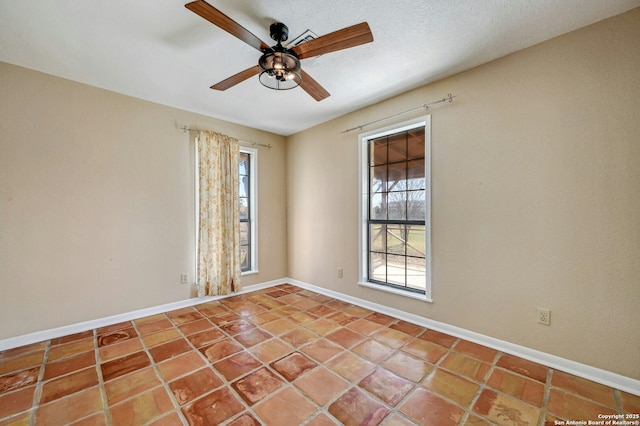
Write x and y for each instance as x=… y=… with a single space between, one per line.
x=378 y=151
x=416 y=240
x=416 y=208
x=379 y=179
x=378 y=238
x=378 y=206
x=397 y=147
x=396 y=270
x=398 y=176
x=243 y=190
x=378 y=266
x=244 y=208
x=244 y=233
x=415 y=174
x=416 y=273
x=397 y=206
x=396 y=239
x=244 y=258
x=244 y=163
x=416 y=143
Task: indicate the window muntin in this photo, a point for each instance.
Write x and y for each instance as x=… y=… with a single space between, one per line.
x=395 y=211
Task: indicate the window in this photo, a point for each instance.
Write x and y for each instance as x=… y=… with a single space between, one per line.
x=395 y=209
x=248 y=201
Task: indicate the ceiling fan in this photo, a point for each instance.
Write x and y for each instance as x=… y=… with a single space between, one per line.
x=279 y=67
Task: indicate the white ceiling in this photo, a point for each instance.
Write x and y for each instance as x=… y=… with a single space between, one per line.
x=159 y=51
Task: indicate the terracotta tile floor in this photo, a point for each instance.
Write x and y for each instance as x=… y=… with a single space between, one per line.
x=285 y=356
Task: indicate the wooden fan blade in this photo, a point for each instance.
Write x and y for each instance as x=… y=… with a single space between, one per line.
x=313 y=88
x=337 y=40
x=237 y=78
x=219 y=19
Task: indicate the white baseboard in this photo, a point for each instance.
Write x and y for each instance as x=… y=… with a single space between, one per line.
x=53 y=333
x=598 y=375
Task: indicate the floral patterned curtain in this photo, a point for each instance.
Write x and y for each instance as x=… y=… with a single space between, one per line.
x=219 y=219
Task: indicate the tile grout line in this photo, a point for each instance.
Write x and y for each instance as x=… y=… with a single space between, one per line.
x=42 y=382
x=618 y=399
x=394 y=410
x=35 y=406
x=481 y=386
x=249 y=408
x=226 y=383
x=437 y=365
x=545 y=399
x=378 y=365
x=582 y=397
x=356 y=383
x=163 y=382
x=208 y=363
x=416 y=385
x=542 y=408
x=352 y=384
x=101 y=383
x=290 y=384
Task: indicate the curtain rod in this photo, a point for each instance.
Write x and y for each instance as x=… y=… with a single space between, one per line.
x=449 y=98
x=188 y=129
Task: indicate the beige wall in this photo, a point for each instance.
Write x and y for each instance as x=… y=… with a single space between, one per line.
x=535 y=198
x=97 y=202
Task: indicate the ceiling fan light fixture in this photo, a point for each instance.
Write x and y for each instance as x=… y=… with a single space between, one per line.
x=280 y=69
x=279 y=66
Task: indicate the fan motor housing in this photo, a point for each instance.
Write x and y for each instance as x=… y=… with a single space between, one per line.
x=279 y=32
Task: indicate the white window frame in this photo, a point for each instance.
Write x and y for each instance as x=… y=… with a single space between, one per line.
x=363 y=205
x=253 y=207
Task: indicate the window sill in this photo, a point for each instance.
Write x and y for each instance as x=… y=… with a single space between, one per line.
x=250 y=273
x=409 y=294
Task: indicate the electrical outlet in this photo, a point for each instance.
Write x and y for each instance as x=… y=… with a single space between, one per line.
x=544 y=316
x=184 y=278
x=340 y=273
